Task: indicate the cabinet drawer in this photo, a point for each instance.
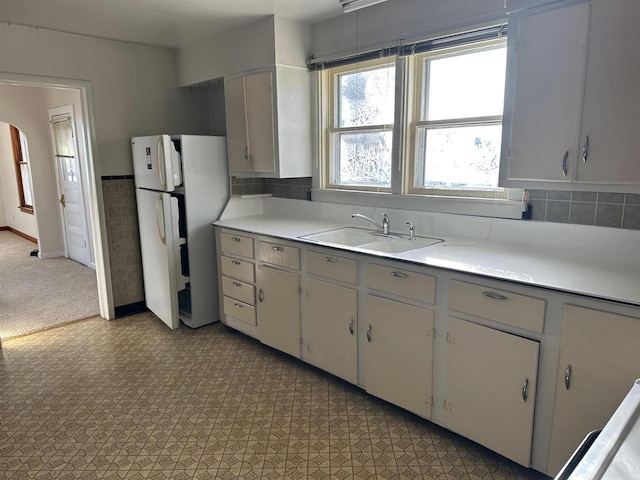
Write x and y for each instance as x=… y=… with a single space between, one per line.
x=281 y=255
x=504 y=307
x=240 y=269
x=239 y=290
x=240 y=310
x=332 y=266
x=403 y=283
x=236 y=244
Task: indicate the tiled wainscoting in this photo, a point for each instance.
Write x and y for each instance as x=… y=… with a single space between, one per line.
x=295 y=188
x=123 y=239
x=617 y=210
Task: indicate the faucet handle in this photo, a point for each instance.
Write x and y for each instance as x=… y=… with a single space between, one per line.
x=412 y=231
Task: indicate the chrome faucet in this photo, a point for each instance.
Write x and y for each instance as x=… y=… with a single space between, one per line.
x=380 y=227
x=412 y=230
x=383 y=229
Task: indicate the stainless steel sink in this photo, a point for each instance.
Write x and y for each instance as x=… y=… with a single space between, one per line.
x=369 y=240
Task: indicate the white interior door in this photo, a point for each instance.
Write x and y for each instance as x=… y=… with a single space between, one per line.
x=71 y=198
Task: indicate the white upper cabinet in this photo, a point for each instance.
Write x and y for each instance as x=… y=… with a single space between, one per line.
x=571 y=104
x=269 y=123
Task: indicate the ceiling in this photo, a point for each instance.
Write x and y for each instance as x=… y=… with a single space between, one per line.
x=162 y=23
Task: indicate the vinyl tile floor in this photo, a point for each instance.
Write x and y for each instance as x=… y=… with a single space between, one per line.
x=131 y=399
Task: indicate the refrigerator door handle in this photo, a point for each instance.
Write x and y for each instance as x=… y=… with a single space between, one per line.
x=160 y=160
x=160 y=218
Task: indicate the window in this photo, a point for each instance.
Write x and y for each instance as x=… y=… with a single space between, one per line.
x=449 y=125
x=23 y=179
x=457 y=126
x=361 y=126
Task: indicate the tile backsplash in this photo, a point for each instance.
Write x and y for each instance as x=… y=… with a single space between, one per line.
x=295 y=188
x=123 y=239
x=603 y=209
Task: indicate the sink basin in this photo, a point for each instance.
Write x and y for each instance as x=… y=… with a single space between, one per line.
x=348 y=236
x=369 y=240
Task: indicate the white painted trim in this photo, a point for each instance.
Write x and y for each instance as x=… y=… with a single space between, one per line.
x=96 y=207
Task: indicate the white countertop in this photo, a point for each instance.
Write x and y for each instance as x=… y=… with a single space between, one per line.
x=594 y=261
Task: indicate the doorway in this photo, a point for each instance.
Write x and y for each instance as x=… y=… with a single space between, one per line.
x=88 y=166
x=70 y=180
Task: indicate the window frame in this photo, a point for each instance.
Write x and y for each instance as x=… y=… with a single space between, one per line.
x=329 y=121
x=418 y=90
x=17 y=147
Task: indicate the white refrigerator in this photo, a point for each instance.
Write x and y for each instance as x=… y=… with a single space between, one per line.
x=182 y=186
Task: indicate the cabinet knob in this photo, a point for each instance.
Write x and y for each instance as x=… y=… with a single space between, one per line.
x=277 y=248
x=351 y=326
x=236 y=284
x=235 y=262
x=260 y=295
x=369 y=334
x=235 y=239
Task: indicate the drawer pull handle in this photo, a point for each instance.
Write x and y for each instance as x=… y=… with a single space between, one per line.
x=567 y=377
x=565 y=159
x=585 y=149
x=237 y=305
x=369 y=334
x=351 y=326
x=235 y=239
x=261 y=295
x=525 y=387
x=399 y=275
x=277 y=248
x=236 y=284
x=494 y=296
x=330 y=260
x=235 y=262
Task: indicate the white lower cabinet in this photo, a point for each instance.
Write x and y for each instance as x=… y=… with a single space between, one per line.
x=599 y=361
x=278 y=309
x=332 y=315
x=399 y=354
x=491 y=388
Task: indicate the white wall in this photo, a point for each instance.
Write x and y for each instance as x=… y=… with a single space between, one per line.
x=5 y=152
x=386 y=23
x=258 y=45
x=24 y=108
x=134 y=88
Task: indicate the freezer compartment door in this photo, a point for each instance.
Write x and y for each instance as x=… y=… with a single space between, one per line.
x=159 y=244
x=156 y=163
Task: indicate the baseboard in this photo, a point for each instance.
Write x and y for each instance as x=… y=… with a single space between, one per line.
x=54 y=254
x=130 y=309
x=20 y=234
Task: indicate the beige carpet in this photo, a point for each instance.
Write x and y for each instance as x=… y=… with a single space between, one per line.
x=37 y=294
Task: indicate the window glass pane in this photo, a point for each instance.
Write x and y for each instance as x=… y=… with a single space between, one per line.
x=461 y=158
x=63 y=138
x=26 y=184
x=467 y=85
x=364 y=159
x=366 y=97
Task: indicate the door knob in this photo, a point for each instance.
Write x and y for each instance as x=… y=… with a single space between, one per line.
x=62 y=200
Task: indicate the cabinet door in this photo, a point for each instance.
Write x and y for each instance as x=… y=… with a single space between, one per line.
x=546 y=63
x=491 y=388
x=260 y=115
x=279 y=309
x=237 y=146
x=599 y=356
x=399 y=354
x=333 y=343
x=611 y=109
